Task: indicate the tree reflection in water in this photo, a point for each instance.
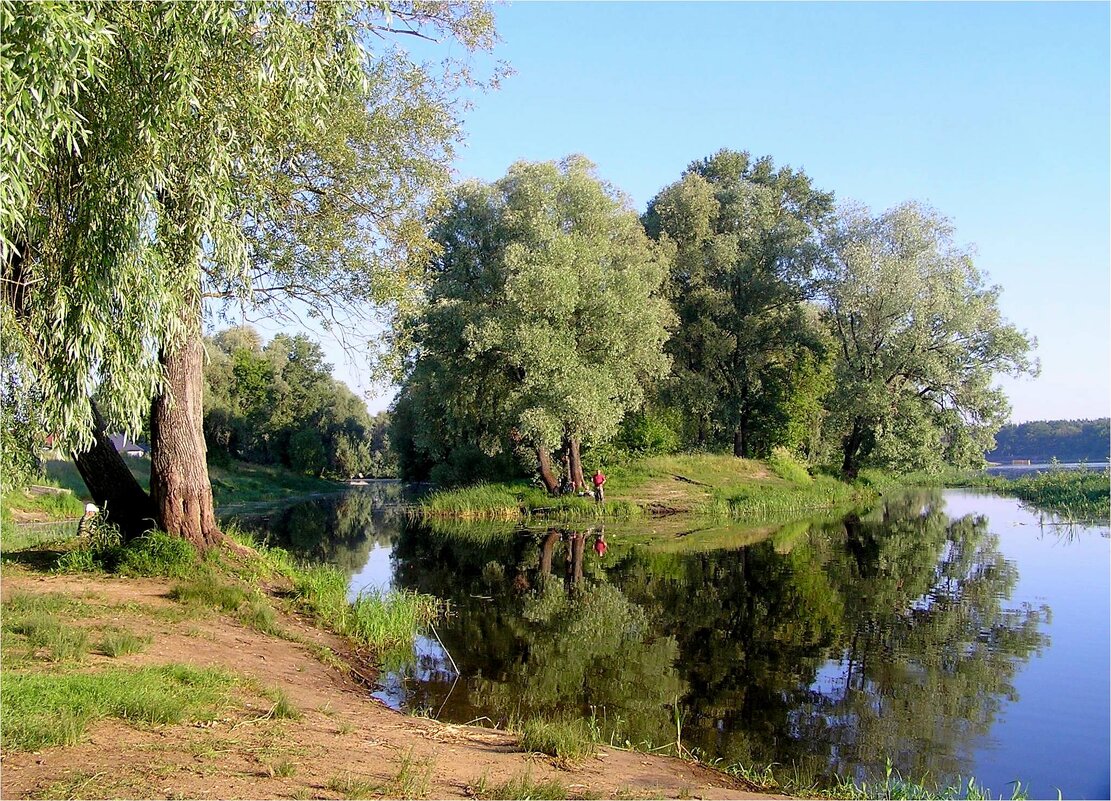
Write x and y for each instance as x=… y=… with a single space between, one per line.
x=833 y=646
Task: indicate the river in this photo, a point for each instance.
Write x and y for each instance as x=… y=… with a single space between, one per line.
x=955 y=633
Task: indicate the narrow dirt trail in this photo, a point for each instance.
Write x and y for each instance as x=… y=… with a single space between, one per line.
x=344 y=745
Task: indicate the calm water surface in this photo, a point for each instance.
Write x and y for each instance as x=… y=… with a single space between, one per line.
x=953 y=632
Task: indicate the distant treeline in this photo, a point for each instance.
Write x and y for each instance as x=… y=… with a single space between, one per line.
x=279 y=404
x=1043 y=440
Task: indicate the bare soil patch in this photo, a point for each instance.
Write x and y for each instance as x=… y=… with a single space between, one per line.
x=345 y=744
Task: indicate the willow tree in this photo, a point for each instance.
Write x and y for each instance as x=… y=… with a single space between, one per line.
x=254 y=151
x=920 y=339
x=545 y=318
x=748 y=249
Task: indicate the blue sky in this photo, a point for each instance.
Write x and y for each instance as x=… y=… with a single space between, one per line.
x=997 y=114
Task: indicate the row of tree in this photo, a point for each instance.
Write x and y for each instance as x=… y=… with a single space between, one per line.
x=1064 y=440
x=279 y=404
x=161 y=157
x=743 y=306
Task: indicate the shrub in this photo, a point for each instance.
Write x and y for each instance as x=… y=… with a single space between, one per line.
x=788 y=466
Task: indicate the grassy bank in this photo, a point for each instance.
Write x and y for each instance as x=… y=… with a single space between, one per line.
x=709 y=485
x=1080 y=496
x=236 y=484
x=1076 y=495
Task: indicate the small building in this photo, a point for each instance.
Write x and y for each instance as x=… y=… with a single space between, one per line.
x=126 y=447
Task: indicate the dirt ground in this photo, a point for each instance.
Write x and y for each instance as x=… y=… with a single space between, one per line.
x=345 y=744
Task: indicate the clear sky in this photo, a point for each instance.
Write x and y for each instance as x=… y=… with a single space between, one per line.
x=997 y=114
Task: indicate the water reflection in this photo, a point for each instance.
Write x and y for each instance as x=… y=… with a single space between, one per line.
x=341 y=530
x=833 y=645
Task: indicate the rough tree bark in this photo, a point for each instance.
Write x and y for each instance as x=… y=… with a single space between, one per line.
x=577 y=466
x=113 y=487
x=179 y=482
x=544 y=459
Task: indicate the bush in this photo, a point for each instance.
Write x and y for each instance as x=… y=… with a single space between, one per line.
x=788 y=466
x=649 y=433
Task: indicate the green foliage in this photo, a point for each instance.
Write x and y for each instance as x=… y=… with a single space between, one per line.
x=545 y=318
x=748 y=352
x=650 y=432
x=149 y=147
x=279 y=404
x=1043 y=440
x=788 y=467
x=920 y=340
x=43 y=710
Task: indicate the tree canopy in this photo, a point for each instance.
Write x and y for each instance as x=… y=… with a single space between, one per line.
x=748 y=248
x=545 y=318
x=919 y=340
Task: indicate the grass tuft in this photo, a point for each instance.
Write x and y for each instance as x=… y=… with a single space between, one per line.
x=568 y=740
x=522 y=787
x=209 y=590
x=121 y=643
x=49 y=639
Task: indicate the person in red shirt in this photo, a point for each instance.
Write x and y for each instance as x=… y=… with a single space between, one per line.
x=600 y=546
x=599 y=482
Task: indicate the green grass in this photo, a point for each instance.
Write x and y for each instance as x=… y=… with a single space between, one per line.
x=47 y=499
x=522 y=787
x=210 y=589
x=714 y=485
x=775 y=502
x=47 y=709
x=46 y=637
x=412 y=780
x=568 y=740
x=517 y=500
x=891 y=787
x=236 y=484
x=121 y=643
x=1076 y=495
x=348 y=786
x=382 y=621
x=17 y=537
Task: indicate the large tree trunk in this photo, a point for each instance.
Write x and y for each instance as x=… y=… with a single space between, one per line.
x=113 y=487
x=850 y=446
x=577 y=466
x=546 y=475
x=179 y=482
x=738 y=443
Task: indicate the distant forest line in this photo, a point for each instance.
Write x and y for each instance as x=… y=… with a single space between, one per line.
x=1044 y=440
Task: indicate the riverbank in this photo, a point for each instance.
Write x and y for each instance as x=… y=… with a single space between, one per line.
x=1075 y=495
x=159 y=688
x=239 y=487
x=713 y=486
